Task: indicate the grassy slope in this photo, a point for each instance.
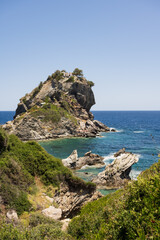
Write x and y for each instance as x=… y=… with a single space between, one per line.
x=40 y=227
x=26 y=171
x=20 y=162
x=130 y=213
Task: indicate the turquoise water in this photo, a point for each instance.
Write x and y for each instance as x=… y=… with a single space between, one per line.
x=138 y=132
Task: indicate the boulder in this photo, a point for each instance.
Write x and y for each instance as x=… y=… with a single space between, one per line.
x=117 y=173
x=89 y=159
x=12 y=215
x=121 y=151
x=52 y=212
x=70 y=162
x=102 y=127
x=65 y=223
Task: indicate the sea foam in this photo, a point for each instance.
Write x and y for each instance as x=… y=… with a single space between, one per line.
x=134 y=174
x=138 y=131
x=119 y=130
x=109 y=158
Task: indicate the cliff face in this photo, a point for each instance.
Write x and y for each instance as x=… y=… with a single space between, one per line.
x=59 y=107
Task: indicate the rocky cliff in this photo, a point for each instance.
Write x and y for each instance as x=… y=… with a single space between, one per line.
x=59 y=107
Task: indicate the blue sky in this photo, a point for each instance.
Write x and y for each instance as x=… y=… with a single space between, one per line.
x=116 y=43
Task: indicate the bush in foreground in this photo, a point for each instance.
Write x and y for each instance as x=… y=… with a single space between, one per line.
x=130 y=213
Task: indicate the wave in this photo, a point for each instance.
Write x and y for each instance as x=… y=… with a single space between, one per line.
x=139 y=155
x=134 y=174
x=138 y=131
x=119 y=130
x=109 y=158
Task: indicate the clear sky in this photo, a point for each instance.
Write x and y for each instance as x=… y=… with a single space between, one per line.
x=115 y=42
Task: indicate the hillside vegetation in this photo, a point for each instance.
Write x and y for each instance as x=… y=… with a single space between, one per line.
x=27 y=171
x=129 y=213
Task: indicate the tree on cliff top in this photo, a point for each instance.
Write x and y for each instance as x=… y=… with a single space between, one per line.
x=78 y=72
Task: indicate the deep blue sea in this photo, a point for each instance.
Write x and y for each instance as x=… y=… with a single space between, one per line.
x=137 y=131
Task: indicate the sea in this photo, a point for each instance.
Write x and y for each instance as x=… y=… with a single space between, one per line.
x=137 y=131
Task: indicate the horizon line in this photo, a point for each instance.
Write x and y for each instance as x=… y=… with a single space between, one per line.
x=104 y=110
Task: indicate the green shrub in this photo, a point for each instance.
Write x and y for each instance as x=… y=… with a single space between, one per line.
x=36 y=90
x=37 y=218
x=37 y=162
x=20 y=163
x=14 y=198
x=24 y=100
x=47 y=99
x=78 y=72
x=53 y=113
x=40 y=231
x=9 y=232
x=90 y=83
x=70 y=79
x=130 y=213
x=3 y=140
x=48 y=231
x=57 y=75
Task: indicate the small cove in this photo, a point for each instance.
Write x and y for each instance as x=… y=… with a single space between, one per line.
x=135 y=131
x=138 y=132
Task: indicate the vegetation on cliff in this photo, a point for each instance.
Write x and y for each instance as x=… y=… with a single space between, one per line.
x=27 y=171
x=52 y=113
x=20 y=163
x=39 y=228
x=58 y=107
x=129 y=213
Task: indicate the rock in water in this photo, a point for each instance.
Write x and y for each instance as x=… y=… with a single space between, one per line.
x=119 y=152
x=59 y=107
x=70 y=162
x=89 y=159
x=117 y=173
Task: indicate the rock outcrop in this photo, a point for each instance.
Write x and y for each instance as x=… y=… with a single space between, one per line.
x=89 y=160
x=71 y=197
x=117 y=173
x=59 y=107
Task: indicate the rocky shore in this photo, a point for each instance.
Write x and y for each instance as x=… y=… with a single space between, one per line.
x=115 y=174
x=88 y=160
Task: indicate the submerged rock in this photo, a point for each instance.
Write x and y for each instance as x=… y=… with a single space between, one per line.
x=117 y=173
x=89 y=159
